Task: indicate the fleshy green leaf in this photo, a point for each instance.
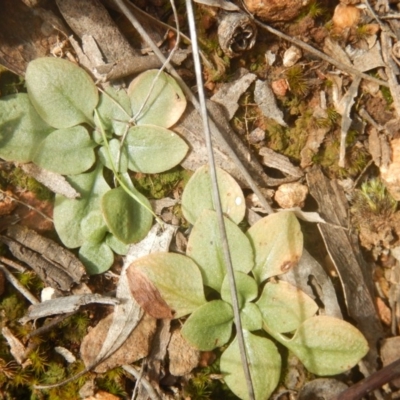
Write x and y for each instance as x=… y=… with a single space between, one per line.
x=251 y=317
x=326 y=345
x=165 y=104
x=205 y=247
x=97 y=257
x=284 y=307
x=120 y=165
x=264 y=362
x=116 y=245
x=66 y=151
x=246 y=288
x=152 y=149
x=114 y=110
x=94 y=227
x=21 y=128
x=68 y=213
x=277 y=243
x=63 y=94
x=197 y=195
x=126 y=219
x=177 y=278
x=210 y=326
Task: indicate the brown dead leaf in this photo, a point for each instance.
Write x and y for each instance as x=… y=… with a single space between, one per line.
x=182 y=356
x=384 y=312
x=136 y=346
x=147 y=295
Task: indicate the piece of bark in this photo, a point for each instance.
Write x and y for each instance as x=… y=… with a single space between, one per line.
x=26 y=34
x=228 y=94
x=91 y=18
x=158 y=352
x=55 y=265
x=343 y=247
x=17 y=349
x=135 y=65
x=280 y=162
x=265 y=99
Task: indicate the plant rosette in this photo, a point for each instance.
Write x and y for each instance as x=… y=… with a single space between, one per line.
x=171 y=285
x=64 y=125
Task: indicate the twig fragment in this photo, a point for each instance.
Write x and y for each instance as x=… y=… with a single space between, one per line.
x=14 y=281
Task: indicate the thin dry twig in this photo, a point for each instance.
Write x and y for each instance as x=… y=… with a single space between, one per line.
x=15 y=282
x=145 y=383
x=27 y=205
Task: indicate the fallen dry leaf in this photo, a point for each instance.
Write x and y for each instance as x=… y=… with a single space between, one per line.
x=384 y=312
x=182 y=356
x=136 y=346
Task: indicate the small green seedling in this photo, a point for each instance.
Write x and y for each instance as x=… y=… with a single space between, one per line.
x=171 y=285
x=64 y=125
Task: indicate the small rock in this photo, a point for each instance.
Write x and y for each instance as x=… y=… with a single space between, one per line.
x=291 y=195
x=257 y=135
x=280 y=87
x=345 y=17
x=291 y=56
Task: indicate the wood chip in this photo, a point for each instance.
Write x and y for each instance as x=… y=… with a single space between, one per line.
x=280 y=162
x=17 y=349
x=229 y=94
x=265 y=99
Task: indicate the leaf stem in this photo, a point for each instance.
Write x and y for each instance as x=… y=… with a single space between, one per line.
x=116 y=173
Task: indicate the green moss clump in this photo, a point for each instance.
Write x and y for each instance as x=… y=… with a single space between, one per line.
x=374 y=198
x=158 y=186
x=17 y=178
